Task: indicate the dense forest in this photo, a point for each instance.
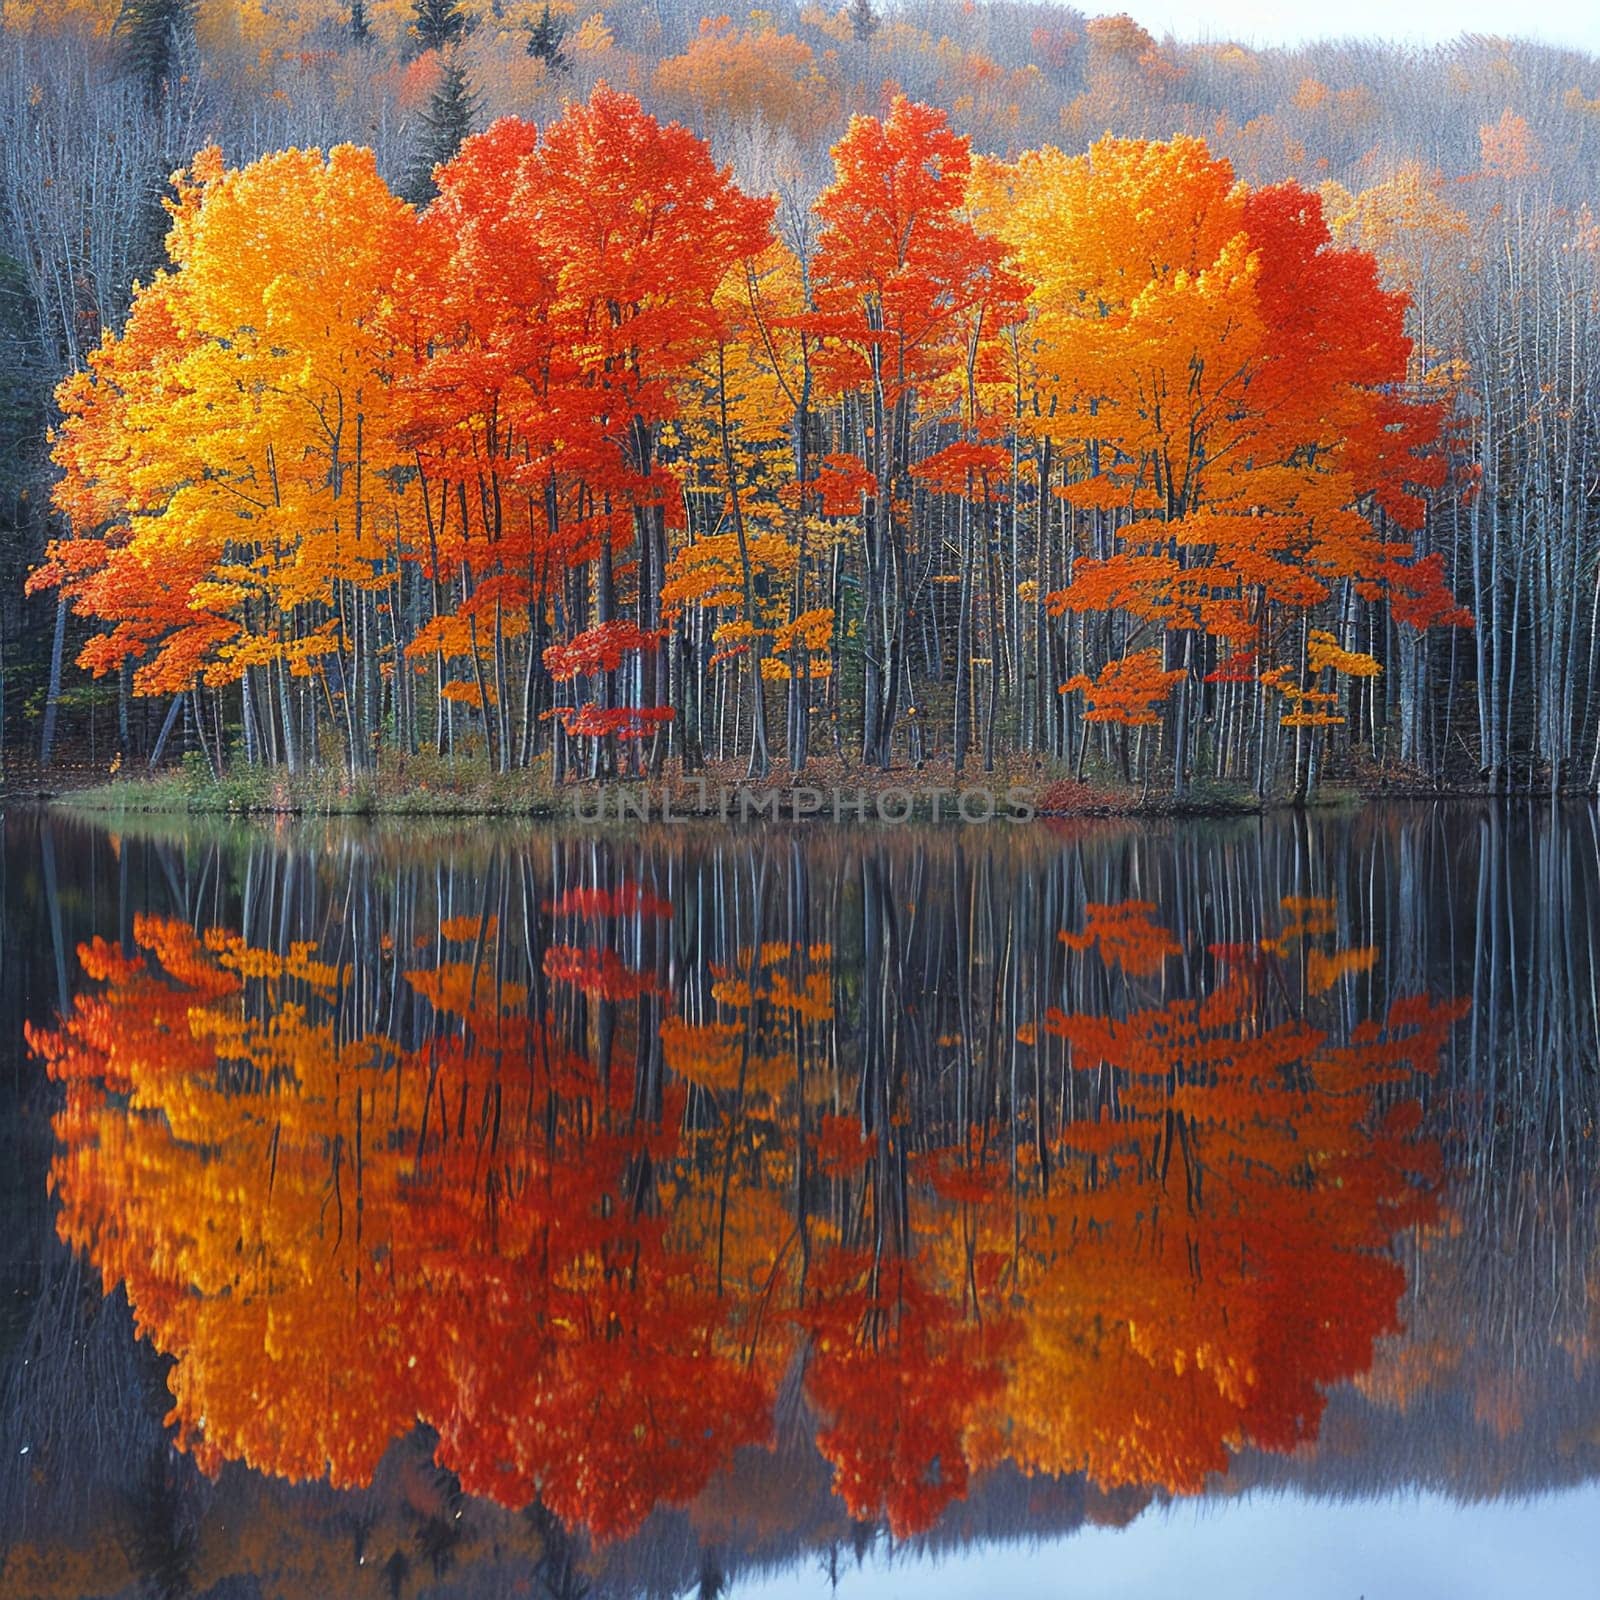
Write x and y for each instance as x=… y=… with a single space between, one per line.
x=591 y=390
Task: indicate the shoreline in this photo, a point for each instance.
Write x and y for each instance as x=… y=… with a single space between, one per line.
x=863 y=797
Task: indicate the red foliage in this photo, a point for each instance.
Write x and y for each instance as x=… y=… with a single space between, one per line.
x=599 y=649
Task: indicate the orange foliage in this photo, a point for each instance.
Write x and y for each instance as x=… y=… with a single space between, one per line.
x=590 y=343
x=1127 y=690
x=1510 y=148
x=743 y=73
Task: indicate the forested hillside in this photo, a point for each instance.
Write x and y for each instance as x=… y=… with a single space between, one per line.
x=886 y=385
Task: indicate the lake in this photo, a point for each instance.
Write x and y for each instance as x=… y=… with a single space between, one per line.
x=1090 y=1208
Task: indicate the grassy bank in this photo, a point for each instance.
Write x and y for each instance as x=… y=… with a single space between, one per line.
x=421 y=786
x=425 y=786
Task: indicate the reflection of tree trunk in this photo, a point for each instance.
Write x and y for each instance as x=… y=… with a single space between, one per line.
x=557 y=1571
x=52 y=895
x=161 y=1542
x=961 y=733
x=395 y=1570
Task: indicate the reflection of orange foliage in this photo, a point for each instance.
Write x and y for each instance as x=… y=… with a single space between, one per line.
x=1217 y=1235
x=297 y=1217
x=627 y=899
x=711 y=1054
x=585 y=1270
x=1127 y=937
x=602 y=973
x=1323 y=971
x=901 y=1376
x=840 y=1146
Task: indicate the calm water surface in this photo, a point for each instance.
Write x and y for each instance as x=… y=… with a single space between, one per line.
x=1098 y=1209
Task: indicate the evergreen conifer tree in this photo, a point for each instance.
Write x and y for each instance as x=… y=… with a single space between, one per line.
x=436 y=24
x=153 y=35
x=360 y=28
x=446 y=123
x=863 y=19
x=546 y=39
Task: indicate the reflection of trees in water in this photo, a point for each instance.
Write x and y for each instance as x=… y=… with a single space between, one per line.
x=827 y=1096
x=85 y=1457
x=1496 y=1383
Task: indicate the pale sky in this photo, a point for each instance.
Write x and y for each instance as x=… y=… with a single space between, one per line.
x=1258 y=1547
x=1267 y=22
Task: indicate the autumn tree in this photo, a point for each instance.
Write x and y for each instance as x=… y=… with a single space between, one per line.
x=743 y=570
x=742 y=74
x=650 y=228
x=901 y=274
x=973 y=439
x=1490 y=239
x=1224 y=398
x=266 y=366
x=631 y=300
